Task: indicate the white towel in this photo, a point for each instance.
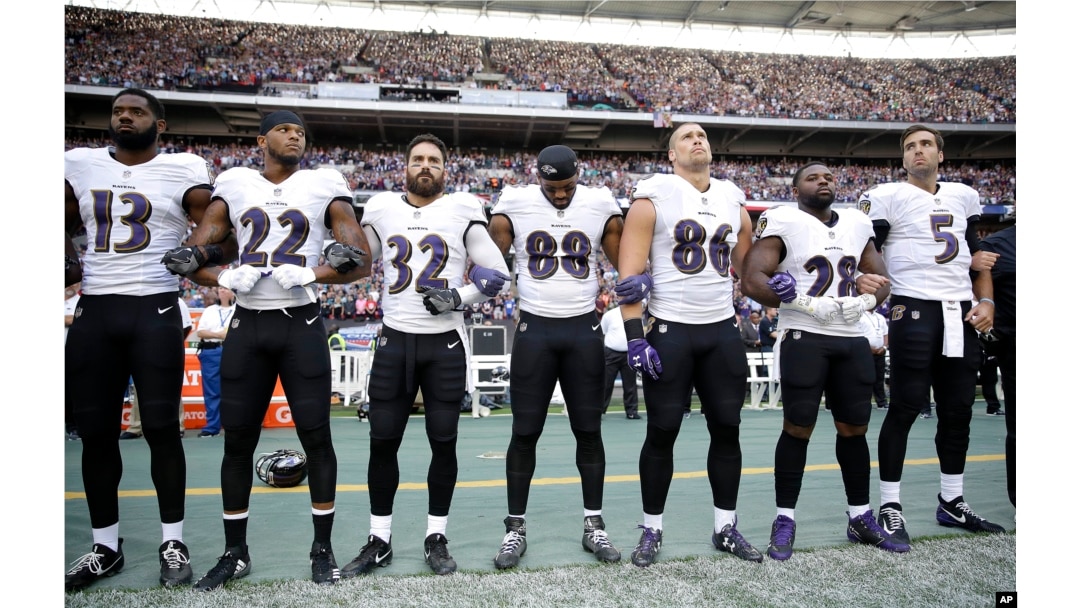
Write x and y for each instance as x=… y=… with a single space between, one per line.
x=953 y=342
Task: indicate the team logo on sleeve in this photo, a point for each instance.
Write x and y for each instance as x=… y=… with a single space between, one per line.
x=209 y=173
x=761 y=224
x=864 y=205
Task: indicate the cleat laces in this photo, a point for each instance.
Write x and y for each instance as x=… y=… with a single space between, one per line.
x=90 y=561
x=894 y=520
x=511 y=542
x=649 y=540
x=599 y=539
x=174 y=558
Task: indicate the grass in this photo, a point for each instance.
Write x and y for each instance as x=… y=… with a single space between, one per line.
x=852 y=575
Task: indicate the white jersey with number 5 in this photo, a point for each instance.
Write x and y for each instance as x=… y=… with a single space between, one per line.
x=133 y=214
x=823 y=259
x=557 y=250
x=280 y=224
x=421 y=246
x=690 y=256
x=926 y=252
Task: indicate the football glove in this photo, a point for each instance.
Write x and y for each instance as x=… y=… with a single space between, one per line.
x=344 y=258
x=824 y=310
x=440 y=300
x=852 y=307
x=489 y=281
x=183 y=260
x=633 y=288
x=240 y=279
x=291 y=275
x=641 y=356
x=783 y=285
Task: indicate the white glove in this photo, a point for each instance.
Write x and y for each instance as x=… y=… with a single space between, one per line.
x=824 y=310
x=852 y=307
x=291 y=275
x=240 y=279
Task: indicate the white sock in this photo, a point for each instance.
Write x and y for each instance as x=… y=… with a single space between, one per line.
x=436 y=524
x=951 y=486
x=380 y=526
x=722 y=518
x=109 y=537
x=656 y=522
x=315 y=511
x=173 y=531
x=591 y=513
x=788 y=513
x=854 y=511
x=890 y=491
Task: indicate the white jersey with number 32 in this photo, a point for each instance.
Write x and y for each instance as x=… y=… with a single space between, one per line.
x=421 y=246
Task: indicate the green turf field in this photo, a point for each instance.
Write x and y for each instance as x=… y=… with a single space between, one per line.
x=946 y=567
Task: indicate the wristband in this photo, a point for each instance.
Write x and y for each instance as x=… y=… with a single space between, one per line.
x=981 y=300
x=634 y=330
x=214 y=254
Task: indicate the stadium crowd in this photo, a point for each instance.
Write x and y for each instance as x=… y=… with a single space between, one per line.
x=166 y=52
x=471 y=171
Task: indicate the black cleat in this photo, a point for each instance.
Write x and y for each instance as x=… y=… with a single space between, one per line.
x=175 y=564
x=437 y=555
x=513 y=544
x=729 y=539
x=100 y=562
x=595 y=540
x=324 y=570
x=234 y=563
x=891 y=519
x=957 y=514
x=377 y=553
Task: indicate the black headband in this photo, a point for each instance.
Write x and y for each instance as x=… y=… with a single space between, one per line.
x=278 y=117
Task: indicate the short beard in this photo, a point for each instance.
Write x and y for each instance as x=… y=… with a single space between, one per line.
x=414 y=186
x=140 y=140
x=288 y=160
x=816 y=201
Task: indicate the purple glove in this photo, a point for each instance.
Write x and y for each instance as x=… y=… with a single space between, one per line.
x=641 y=356
x=783 y=285
x=490 y=282
x=633 y=288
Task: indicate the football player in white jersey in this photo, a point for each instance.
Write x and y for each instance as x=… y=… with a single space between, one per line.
x=282 y=215
x=693 y=230
x=424 y=238
x=134 y=204
x=557 y=230
x=805 y=261
x=926 y=232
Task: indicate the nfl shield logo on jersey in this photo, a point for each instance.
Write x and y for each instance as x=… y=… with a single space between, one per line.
x=663 y=328
x=796 y=335
x=522 y=327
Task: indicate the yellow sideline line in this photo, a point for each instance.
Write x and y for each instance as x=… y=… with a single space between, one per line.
x=496 y=483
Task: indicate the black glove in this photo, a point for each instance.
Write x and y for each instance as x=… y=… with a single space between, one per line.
x=441 y=300
x=343 y=258
x=183 y=260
